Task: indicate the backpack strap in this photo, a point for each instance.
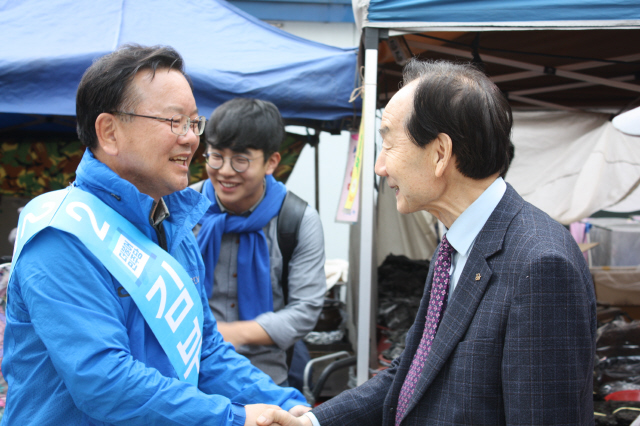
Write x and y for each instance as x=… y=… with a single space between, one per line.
x=289 y=220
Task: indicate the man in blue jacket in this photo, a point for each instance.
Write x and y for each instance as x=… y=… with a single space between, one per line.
x=105 y=318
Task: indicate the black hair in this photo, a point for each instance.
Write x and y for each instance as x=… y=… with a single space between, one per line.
x=462 y=102
x=106 y=85
x=245 y=123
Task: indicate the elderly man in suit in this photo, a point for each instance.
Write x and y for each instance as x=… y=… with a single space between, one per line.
x=505 y=333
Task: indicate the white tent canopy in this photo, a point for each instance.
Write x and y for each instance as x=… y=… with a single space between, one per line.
x=571 y=165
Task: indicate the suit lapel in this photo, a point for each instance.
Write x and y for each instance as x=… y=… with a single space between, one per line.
x=456 y=318
x=467 y=296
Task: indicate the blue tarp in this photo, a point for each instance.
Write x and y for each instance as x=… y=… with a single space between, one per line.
x=45 y=47
x=501 y=11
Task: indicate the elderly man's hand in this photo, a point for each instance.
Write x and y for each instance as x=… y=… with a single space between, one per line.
x=273 y=417
x=299 y=410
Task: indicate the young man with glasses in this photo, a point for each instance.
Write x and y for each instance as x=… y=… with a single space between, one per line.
x=107 y=319
x=261 y=308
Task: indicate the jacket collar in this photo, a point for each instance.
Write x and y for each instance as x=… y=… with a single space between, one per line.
x=491 y=238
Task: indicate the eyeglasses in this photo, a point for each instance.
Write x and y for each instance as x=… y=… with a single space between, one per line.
x=180 y=123
x=239 y=163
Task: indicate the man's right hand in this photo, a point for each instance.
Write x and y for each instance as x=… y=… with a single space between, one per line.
x=280 y=417
x=254 y=410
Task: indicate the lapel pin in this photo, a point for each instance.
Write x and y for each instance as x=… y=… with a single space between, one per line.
x=478 y=277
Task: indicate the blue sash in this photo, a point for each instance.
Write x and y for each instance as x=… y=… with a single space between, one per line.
x=158 y=284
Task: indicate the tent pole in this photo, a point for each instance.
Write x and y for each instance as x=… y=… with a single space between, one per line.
x=317 y=175
x=371 y=39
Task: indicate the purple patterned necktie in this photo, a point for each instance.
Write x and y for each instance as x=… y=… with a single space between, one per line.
x=437 y=303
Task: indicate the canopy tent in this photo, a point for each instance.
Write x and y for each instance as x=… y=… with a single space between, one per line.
x=578 y=56
x=425 y=15
x=47 y=46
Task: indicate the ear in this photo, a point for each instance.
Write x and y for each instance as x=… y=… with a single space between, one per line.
x=444 y=153
x=272 y=162
x=106 y=130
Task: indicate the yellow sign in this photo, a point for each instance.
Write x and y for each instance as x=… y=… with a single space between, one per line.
x=357 y=168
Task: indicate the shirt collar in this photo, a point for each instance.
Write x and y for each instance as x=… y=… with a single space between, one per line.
x=468 y=225
x=160 y=213
x=223 y=209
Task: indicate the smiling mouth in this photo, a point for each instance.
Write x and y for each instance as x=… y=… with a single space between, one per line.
x=228 y=185
x=180 y=160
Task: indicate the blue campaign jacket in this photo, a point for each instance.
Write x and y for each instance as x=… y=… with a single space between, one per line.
x=78 y=351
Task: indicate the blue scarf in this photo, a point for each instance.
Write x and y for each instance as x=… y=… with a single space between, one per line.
x=255 y=295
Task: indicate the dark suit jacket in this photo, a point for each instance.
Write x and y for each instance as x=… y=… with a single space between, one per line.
x=516 y=343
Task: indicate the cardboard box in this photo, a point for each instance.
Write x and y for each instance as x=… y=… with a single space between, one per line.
x=617 y=286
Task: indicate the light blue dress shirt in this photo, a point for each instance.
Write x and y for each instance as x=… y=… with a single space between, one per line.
x=462 y=235
x=464 y=231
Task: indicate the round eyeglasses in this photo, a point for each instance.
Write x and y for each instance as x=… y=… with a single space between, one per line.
x=180 y=123
x=239 y=163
